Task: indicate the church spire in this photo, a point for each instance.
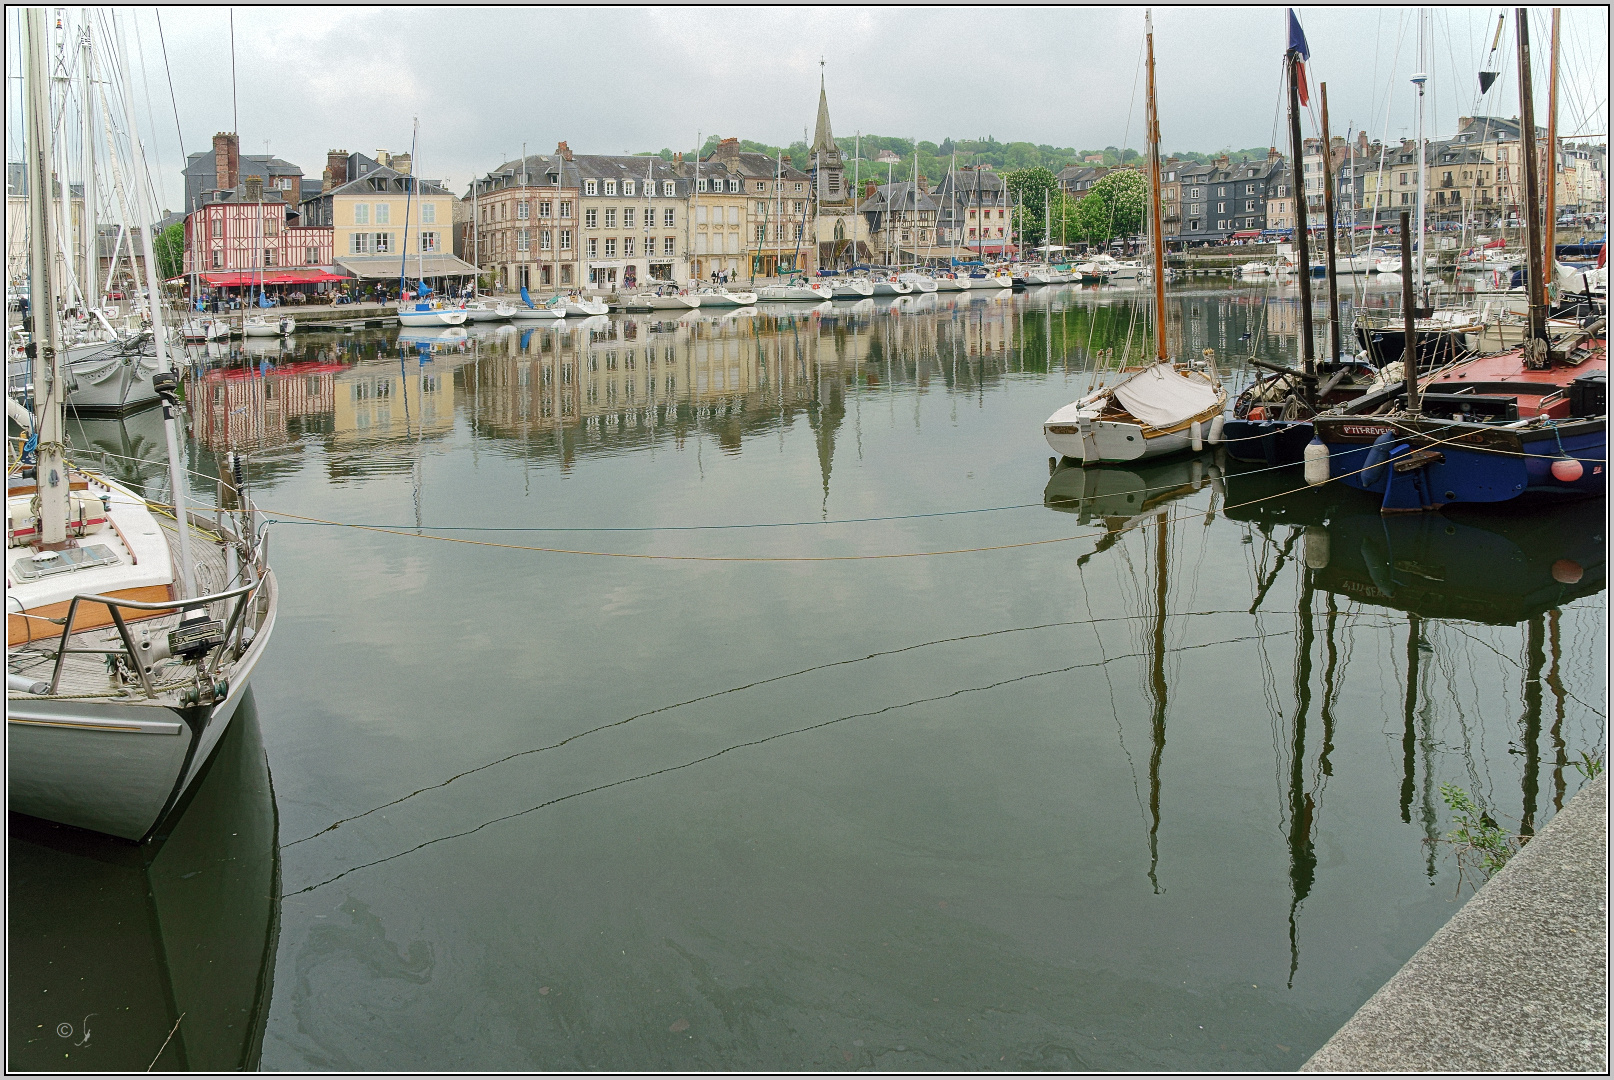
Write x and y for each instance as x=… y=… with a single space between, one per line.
x=823 y=138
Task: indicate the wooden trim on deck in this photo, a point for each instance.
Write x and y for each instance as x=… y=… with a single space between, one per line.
x=31 y=625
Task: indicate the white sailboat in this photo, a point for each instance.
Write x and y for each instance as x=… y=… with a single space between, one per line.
x=720 y=297
x=1160 y=409
x=130 y=637
x=481 y=311
x=584 y=307
x=853 y=288
x=808 y=291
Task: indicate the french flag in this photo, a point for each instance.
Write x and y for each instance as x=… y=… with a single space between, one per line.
x=1302 y=53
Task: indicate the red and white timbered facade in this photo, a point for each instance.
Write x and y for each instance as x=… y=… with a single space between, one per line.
x=237 y=237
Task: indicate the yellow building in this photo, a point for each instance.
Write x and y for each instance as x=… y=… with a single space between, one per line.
x=386 y=223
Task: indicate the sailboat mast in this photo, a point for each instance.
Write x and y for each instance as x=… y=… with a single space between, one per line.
x=403 y=256
x=49 y=376
x=1156 y=232
x=92 y=294
x=1535 y=286
x=1330 y=253
x=1550 y=221
x=1308 y=348
x=1419 y=80
x=145 y=201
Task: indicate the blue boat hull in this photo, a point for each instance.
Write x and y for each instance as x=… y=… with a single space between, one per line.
x=1426 y=464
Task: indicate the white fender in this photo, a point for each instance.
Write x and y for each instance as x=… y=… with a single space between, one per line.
x=1196 y=435
x=1315 y=460
x=1216 y=427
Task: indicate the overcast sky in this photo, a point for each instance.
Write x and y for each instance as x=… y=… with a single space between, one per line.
x=613 y=80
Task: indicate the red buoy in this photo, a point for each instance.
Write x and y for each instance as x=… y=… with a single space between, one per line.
x=1567 y=469
x=1566 y=572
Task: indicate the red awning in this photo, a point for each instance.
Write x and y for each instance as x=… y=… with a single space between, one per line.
x=310 y=276
x=1246 y=234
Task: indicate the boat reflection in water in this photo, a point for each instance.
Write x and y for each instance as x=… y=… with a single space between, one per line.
x=113 y=944
x=1492 y=569
x=131 y=449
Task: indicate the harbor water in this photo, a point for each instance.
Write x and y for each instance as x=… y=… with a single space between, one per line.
x=747 y=690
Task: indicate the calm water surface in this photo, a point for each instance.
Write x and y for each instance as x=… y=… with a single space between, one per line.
x=1157 y=793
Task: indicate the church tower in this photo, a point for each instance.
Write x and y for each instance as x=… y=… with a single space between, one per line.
x=825 y=163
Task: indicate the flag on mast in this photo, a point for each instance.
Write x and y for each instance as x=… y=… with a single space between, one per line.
x=1302 y=53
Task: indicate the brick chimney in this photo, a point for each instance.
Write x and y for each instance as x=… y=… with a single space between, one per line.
x=402 y=163
x=1272 y=153
x=335 y=170
x=254 y=189
x=564 y=151
x=924 y=184
x=728 y=151
x=868 y=189
x=226 y=160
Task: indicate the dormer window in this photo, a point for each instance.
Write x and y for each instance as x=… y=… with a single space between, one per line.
x=667 y=188
x=734 y=185
x=590 y=187
x=610 y=187
x=700 y=185
x=627 y=187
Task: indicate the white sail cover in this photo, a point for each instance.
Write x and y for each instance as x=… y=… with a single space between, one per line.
x=1162 y=398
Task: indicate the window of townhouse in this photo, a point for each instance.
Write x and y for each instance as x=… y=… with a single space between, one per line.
x=593 y=246
x=590 y=187
x=667 y=217
x=544 y=206
x=591 y=219
x=610 y=247
x=610 y=215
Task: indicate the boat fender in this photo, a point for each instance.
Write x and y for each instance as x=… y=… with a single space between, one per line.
x=25 y=685
x=1196 y=436
x=1315 y=462
x=1567 y=470
x=1378 y=456
x=1316 y=547
x=1216 y=428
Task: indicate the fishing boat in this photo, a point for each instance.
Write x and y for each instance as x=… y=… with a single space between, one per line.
x=1270 y=421
x=1157 y=410
x=262 y=326
x=481 y=311
x=853 y=288
x=131 y=636
x=1530 y=422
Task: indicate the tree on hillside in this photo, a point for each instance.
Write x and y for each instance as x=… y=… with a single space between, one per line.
x=1113 y=207
x=1027 y=188
x=170 y=248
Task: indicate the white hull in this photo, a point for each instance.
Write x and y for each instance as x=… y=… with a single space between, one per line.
x=727 y=299
x=947 y=284
x=1085 y=431
x=812 y=294
x=114 y=768
x=443 y=317
x=671 y=303
x=539 y=314
x=997 y=281
x=892 y=288
x=106 y=380
x=486 y=313
x=853 y=289
x=269 y=328
x=586 y=308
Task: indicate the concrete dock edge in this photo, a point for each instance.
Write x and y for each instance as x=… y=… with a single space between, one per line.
x=1516 y=982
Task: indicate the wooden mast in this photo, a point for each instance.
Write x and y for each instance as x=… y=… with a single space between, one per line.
x=1551 y=223
x=1328 y=208
x=1308 y=348
x=1534 y=355
x=1154 y=201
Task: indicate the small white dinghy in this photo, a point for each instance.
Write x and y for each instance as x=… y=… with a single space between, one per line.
x=263 y=326
x=1160 y=409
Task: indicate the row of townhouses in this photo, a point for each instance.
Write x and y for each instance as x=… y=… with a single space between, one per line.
x=566 y=220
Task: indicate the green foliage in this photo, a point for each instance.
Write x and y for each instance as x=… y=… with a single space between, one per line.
x=1113 y=207
x=1588 y=766
x=170 y=248
x=1477 y=838
x=1027 y=188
